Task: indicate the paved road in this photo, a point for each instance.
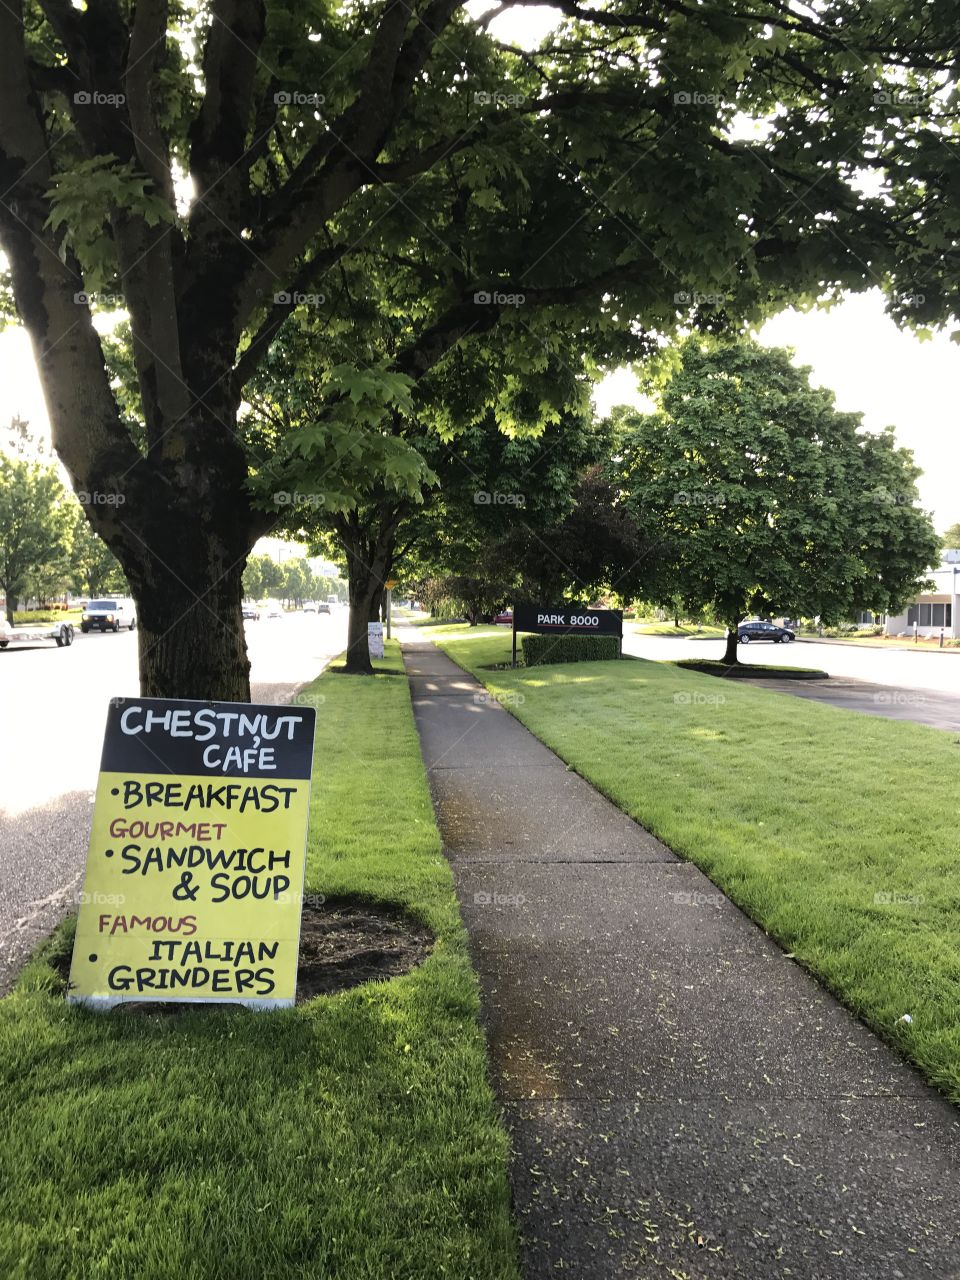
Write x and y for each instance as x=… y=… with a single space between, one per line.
x=54 y=707
x=896 y=684
x=682 y=1098
x=893 y=702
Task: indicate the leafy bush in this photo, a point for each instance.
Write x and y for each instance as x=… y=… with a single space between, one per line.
x=43 y=615
x=539 y=651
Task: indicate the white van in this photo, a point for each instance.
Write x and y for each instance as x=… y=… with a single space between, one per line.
x=109 y=614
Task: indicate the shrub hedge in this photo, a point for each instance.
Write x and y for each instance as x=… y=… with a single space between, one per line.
x=540 y=651
x=44 y=615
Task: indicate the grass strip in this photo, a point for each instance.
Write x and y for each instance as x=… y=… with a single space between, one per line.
x=353 y=1138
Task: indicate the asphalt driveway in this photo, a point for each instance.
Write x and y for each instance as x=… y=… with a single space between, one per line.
x=922 y=706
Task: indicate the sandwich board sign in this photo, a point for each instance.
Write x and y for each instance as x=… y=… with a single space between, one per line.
x=194 y=879
x=375 y=639
x=565 y=620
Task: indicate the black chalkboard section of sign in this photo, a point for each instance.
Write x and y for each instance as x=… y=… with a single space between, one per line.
x=566 y=619
x=172 y=735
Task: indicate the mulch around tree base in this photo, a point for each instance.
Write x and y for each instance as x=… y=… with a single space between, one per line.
x=346 y=941
x=747 y=671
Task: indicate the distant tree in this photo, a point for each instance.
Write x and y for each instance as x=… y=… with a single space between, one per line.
x=93 y=568
x=34 y=526
x=297 y=582
x=597 y=546
x=261 y=577
x=951 y=538
x=768 y=498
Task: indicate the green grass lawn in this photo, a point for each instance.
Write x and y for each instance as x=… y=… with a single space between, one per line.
x=837 y=832
x=353 y=1138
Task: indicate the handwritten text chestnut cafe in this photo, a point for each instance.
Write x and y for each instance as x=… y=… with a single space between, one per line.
x=194 y=879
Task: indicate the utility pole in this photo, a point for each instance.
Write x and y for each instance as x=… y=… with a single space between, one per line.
x=390 y=584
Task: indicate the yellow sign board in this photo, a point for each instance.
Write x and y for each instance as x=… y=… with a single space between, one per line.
x=194 y=881
x=391 y=583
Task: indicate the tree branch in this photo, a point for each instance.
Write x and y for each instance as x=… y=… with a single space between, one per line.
x=218 y=135
x=87 y=432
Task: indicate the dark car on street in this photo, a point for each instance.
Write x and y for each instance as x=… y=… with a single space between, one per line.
x=747 y=632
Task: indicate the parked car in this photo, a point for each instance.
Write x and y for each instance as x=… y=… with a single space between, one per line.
x=747 y=632
x=506 y=617
x=323 y=608
x=109 y=615
x=250 y=612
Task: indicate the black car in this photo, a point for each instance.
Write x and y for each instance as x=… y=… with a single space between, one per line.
x=750 y=631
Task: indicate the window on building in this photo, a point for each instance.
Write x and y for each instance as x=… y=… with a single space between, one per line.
x=930 y=615
x=941 y=615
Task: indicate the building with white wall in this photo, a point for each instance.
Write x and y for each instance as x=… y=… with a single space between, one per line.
x=934 y=610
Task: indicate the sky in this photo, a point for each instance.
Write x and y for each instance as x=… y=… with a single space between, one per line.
x=888 y=375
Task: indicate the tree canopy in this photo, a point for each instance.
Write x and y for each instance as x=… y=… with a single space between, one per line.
x=769 y=498
x=221 y=170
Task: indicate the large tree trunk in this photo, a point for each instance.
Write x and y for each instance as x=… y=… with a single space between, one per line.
x=363 y=591
x=368 y=548
x=731 y=655
x=192 y=641
x=378 y=606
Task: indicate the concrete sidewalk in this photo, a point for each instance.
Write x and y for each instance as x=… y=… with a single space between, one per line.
x=683 y=1100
